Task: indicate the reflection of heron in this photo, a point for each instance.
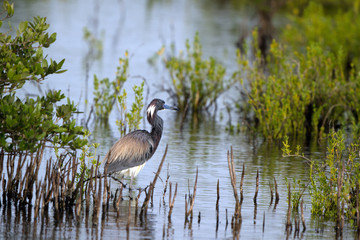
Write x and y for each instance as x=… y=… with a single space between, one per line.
x=130 y=153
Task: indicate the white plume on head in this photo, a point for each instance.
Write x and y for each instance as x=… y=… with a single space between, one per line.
x=151 y=110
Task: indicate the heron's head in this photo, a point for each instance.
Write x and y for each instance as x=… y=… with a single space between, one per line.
x=156 y=105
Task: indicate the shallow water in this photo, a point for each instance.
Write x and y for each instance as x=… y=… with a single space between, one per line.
x=142 y=27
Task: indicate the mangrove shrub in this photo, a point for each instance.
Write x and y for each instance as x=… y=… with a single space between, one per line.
x=334 y=180
x=335 y=25
x=27 y=124
x=107 y=94
x=196 y=83
x=299 y=94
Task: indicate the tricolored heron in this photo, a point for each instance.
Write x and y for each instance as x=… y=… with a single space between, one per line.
x=130 y=153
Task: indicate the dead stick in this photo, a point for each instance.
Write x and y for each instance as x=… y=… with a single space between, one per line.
x=257 y=185
x=105 y=191
x=271 y=193
x=80 y=194
x=170 y=192
x=302 y=214
x=227 y=221
x=186 y=207
x=242 y=182
x=288 y=221
x=193 y=195
x=232 y=176
x=166 y=184
x=129 y=218
x=151 y=188
x=172 y=203
x=217 y=201
x=119 y=199
x=263 y=228
x=277 y=198
x=136 y=204
x=89 y=189
x=37 y=201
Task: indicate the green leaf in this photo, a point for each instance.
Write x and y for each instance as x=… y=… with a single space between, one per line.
x=39 y=53
x=60 y=130
x=52 y=38
x=45 y=63
x=10 y=8
x=23 y=26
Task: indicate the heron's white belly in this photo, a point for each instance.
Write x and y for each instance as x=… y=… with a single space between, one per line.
x=132 y=172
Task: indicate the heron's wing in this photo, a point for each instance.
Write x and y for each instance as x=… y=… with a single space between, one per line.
x=131 y=150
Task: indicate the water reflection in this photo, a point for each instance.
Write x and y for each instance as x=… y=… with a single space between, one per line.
x=17 y=223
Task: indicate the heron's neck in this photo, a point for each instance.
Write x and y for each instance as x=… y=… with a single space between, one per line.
x=156 y=130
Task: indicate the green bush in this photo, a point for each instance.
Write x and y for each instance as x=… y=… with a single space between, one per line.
x=196 y=83
x=333 y=181
x=334 y=25
x=108 y=93
x=299 y=93
x=28 y=124
x=130 y=120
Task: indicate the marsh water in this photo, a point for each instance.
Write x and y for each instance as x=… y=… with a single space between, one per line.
x=142 y=28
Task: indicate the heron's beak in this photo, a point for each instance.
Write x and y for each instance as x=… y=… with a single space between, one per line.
x=170 y=107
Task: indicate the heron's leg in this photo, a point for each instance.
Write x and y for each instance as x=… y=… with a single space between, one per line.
x=131 y=180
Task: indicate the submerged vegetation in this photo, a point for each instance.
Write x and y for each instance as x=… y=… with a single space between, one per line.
x=334 y=181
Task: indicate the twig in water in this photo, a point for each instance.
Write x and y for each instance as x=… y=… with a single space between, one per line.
x=227 y=221
x=257 y=186
x=129 y=219
x=271 y=193
x=263 y=228
x=192 y=199
x=89 y=189
x=242 y=182
x=136 y=204
x=166 y=184
x=277 y=198
x=230 y=159
x=288 y=221
x=217 y=205
x=171 y=202
x=302 y=214
x=152 y=185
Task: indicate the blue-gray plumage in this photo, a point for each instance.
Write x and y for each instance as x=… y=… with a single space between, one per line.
x=130 y=153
